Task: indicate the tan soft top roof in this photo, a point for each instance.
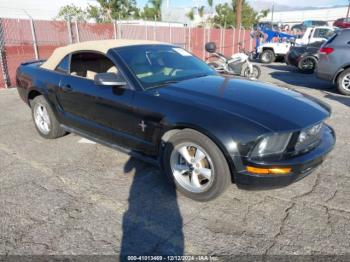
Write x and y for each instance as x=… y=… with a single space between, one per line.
x=101 y=46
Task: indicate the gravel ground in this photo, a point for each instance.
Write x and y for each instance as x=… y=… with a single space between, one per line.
x=71 y=197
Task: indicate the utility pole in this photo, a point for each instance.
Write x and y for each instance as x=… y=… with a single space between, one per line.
x=239 y=14
x=347 y=14
x=273 y=10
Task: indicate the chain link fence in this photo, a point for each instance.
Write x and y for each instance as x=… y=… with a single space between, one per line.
x=27 y=39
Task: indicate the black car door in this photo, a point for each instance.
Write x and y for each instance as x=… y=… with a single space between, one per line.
x=101 y=111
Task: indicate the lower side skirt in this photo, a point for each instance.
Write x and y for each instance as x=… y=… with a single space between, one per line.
x=138 y=155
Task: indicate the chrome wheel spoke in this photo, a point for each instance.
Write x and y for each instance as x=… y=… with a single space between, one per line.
x=199 y=156
x=346 y=82
x=185 y=154
x=206 y=172
x=42 y=119
x=41 y=111
x=192 y=167
x=195 y=180
x=181 y=168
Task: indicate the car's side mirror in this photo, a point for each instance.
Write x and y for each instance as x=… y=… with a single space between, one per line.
x=109 y=79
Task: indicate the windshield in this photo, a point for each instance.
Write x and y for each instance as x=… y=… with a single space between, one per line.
x=159 y=65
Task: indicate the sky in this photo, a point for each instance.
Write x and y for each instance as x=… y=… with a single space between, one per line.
x=49 y=8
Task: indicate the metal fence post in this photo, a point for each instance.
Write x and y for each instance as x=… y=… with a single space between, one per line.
x=114 y=29
x=250 y=40
x=221 y=40
x=3 y=61
x=233 y=38
x=170 y=37
x=35 y=46
x=146 y=30
x=70 y=40
x=154 y=29
x=204 y=28
x=189 y=38
x=77 y=31
x=119 y=30
x=239 y=35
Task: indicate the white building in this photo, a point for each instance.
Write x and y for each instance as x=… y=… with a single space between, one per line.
x=295 y=17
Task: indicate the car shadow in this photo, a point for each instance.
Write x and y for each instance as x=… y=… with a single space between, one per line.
x=283 y=67
x=291 y=76
x=152 y=224
x=341 y=99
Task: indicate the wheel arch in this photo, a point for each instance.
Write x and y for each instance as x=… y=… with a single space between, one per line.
x=178 y=128
x=337 y=74
x=268 y=48
x=32 y=94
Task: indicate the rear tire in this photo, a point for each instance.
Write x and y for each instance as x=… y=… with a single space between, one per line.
x=44 y=119
x=343 y=82
x=200 y=180
x=307 y=64
x=267 y=56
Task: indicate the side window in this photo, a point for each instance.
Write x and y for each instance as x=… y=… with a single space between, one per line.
x=88 y=64
x=323 y=33
x=63 y=66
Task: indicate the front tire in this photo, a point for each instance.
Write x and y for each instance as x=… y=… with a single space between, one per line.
x=344 y=82
x=44 y=119
x=267 y=56
x=253 y=75
x=196 y=165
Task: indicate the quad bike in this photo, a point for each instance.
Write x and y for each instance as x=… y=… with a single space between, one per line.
x=237 y=64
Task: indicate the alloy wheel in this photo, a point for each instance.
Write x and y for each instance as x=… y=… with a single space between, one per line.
x=192 y=167
x=42 y=119
x=308 y=64
x=346 y=82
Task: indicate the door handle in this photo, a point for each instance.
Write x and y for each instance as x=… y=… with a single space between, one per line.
x=67 y=88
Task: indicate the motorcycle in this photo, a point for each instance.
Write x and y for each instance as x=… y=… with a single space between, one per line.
x=237 y=64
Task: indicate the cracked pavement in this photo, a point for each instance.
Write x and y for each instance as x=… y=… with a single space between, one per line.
x=62 y=197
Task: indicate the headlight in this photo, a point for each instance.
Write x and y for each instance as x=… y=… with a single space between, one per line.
x=270 y=145
x=309 y=137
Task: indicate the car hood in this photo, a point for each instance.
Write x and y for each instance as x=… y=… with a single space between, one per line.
x=270 y=106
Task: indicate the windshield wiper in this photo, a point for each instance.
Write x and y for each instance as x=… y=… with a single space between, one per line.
x=165 y=83
x=198 y=76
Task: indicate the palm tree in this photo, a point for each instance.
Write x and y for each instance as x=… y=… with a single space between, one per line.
x=190 y=14
x=201 y=11
x=211 y=3
x=157 y=5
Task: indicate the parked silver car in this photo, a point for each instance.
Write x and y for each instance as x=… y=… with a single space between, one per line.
x=334 y=61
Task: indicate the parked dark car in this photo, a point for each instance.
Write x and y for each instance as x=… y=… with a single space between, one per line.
x=334 y=61
x=342 y=23
x=308 y=23
x=160 y=103
x=304 y=57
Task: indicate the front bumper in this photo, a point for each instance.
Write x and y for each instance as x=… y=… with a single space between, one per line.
x=301 y=166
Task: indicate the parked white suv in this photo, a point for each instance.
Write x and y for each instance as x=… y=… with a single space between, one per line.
x=268 y=52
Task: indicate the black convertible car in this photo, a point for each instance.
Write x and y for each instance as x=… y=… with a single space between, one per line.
x=158 y=102
x=304 y=57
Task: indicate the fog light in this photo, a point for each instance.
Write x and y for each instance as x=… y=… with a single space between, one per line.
x=269 y=171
